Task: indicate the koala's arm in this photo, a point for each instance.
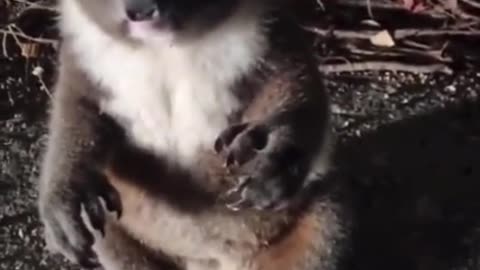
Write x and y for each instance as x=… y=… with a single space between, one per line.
x=281 y=139
x=69 y=179
x=299 y=109
x=72 y=139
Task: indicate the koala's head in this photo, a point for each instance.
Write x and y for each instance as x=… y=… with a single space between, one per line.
x=145 y=19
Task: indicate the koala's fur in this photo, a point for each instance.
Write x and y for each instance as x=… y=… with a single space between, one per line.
x=160 y=127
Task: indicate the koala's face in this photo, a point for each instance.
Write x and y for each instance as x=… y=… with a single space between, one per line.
x=144 y=19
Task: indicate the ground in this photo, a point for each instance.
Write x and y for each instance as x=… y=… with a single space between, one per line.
x=409 y=145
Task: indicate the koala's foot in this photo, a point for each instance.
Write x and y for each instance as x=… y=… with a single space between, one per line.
x=65 y=229
x=271 y=169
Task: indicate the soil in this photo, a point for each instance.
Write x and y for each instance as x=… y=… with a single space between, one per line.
x=409 y=145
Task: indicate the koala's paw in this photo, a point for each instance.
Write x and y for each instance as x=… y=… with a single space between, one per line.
x=66 y=231
x=271 y=170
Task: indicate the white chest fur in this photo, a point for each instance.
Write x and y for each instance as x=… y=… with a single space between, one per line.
x=176 y=99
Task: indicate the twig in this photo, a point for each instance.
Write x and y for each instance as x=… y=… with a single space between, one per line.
x=466 y=25
x=4 y=46
x=374 y=4
x=340 y=33
x=38 y=72
x=397 y=34
x=379 y=65
x=435 y=55
x=333 y=58
x=453 y=13
x=17 y=33
x=31 y=5
x=404 y=33
x=471 y=3
x=369 y=9
x=417 y=45
x=321 y=5
x=391 y=5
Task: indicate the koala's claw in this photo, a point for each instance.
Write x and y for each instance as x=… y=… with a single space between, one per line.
x=241 y=142
x=227 y=136
x=272 y=169
x=95 y=209
x=89 y=261
x=66 y=225
x=69 y=236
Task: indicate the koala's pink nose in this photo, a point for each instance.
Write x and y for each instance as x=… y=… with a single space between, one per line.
x=141 y=10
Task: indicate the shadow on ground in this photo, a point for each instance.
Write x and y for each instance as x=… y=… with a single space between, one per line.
x=418 y=191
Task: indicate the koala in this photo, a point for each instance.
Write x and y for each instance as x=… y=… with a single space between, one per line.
x=189 y=135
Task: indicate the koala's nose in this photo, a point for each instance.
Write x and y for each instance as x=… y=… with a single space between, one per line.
x=141 y=10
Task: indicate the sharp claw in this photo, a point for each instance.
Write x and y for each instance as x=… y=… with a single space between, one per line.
x=96 y=215
x=242 y=182
x=89 y=261
x=111 y=198
x=114 y=204
x=238 y=205
x=280 y=206
x=89 y=264
x=230 y=160
x=218 y=145
x=118 y=213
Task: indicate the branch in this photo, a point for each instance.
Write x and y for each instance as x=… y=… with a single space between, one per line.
x=379 y=65
x=397 y=34
x=21 y=34
x=31 y=5
x=471 y=3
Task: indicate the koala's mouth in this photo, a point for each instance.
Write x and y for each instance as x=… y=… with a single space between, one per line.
x=147 y=24
x=156 y=26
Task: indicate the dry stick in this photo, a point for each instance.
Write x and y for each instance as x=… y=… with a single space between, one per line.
x=466 y=25
x=30 y=38
x=38 y=72
x=398 y=34
x=404 y=33
x=416 y=45
x=369 y=9
x=379 y=65
x=47 y=41
x=31 y=5
x=390 y=5
x=373 y=5
x=341 y=33
x=452 y=13
x=435 y=55
x=471 y=3
x=4 y=46
x=321 y=5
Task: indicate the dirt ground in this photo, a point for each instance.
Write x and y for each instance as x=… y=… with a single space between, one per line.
x=409 y=144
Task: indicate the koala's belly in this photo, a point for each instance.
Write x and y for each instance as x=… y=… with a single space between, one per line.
x=206 y=234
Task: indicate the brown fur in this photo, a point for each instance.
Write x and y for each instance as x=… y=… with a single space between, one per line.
x=173 y=215
x=290 y=251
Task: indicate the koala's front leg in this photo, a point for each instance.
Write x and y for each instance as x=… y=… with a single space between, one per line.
x=70 y=180
x=275 y=148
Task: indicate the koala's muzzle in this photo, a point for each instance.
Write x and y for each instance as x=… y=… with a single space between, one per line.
x=141 y=10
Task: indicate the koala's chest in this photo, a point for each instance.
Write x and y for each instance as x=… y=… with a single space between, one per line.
x=172 y=109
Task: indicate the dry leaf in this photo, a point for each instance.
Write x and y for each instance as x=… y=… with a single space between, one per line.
x=382 y=39
x=30 y=50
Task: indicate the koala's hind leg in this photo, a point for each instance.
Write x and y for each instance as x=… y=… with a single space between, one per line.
x=117 y=250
